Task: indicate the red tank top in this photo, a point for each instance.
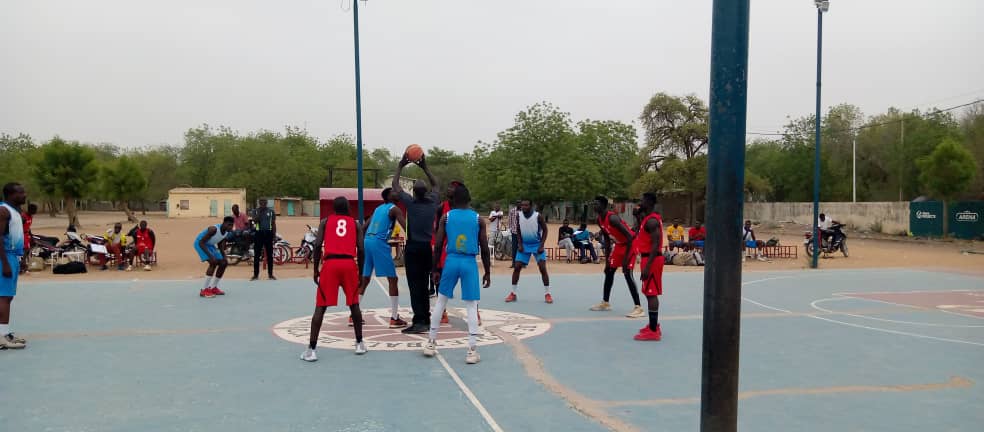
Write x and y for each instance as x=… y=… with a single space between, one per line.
x=643 y=240
x=340 y=234
x=603 y=222
x=445 y=208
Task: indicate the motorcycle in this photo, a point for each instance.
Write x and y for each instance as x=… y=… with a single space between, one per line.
x=834 y=239
x=239 y=247
x=306 y=250
x=502 y=244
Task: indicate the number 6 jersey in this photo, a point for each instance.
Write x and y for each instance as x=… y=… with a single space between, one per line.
x=340 y=236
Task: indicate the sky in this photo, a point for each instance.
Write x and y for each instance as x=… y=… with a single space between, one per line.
x=451 y=73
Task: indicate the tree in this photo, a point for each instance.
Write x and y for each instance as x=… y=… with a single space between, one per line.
x=160 y=166
x=947 y=172
x=124 y=181
x=66 y=170
x=677 y=127
x=611 y=146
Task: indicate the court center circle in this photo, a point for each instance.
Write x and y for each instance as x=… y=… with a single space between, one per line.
x=335 y=332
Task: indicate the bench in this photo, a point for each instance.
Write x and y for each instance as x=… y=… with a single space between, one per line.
x=780 y=251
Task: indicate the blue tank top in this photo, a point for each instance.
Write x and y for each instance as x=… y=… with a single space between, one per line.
x=13 y=240
x=380 y=226
x=215 y=239
x=462 y=231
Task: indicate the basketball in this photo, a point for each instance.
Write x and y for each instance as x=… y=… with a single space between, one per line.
x=414 y=153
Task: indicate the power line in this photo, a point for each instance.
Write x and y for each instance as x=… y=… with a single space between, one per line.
x=934 y=112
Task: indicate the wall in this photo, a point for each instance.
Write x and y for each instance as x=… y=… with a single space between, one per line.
x=311 y=207
x=893 y=216
x=199 y=203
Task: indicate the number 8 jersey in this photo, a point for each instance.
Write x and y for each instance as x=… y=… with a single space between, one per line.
x=340 y=233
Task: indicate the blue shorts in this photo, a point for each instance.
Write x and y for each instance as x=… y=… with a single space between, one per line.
x=378 y=258
x=464 y=268
x=211 y=249
x=524 y=257
x=699 y=243
x=751 y=244
x=8 y=286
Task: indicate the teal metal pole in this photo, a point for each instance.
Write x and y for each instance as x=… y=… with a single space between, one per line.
x=725 y=198
x=358 y=111
x=816 y=150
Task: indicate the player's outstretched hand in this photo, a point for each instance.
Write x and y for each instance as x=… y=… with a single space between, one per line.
x=539 y=250
x=422 y=163
x=486 y=280
x=405 y=161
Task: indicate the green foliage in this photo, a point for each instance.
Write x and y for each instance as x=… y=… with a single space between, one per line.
x=18 y=155
x=948 y=170
x=124 y=181
x=66 y=170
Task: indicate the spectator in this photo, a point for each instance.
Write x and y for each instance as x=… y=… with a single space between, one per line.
x=697 y=235
x=28 y=219
x=496 y=218
x=145 y=240
x=675 y=235
x=240 y=220
x=116 y=242
x=514 y=230
x=565 y=235
x=582 y=240
x=750 y=243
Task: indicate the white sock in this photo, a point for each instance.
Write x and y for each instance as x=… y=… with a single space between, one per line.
x=515 y=289
x=394 y=307
x=546 y=289
x=208 y=281
x=439 y=305
x=215 y=281
x=472 y=307
x=4 y=329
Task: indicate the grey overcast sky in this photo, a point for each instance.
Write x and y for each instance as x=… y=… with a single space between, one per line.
x=450 y=73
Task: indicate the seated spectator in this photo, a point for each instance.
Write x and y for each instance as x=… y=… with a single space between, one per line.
x=565 y=240
x=145 y=241
x=697 y=235
x=582 y=240
x=750 y=243
x=674 y=235
x=116 y=241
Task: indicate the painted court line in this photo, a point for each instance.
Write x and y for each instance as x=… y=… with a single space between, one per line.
x=953 y=382
x=816 y=302
x=760 y=304
x=457 y=380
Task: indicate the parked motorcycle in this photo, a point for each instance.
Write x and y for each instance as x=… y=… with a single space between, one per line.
x=306 y=250
x=239 y=247
x=834 y=239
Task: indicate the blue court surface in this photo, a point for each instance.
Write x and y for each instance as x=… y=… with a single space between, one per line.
x=886 y=350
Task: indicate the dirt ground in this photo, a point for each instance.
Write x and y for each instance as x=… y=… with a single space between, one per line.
x=177 y=260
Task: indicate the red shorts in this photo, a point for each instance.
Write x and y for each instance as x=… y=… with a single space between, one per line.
x=141 y=248
x=654 y=285
x=338 y=273
x=618 y=255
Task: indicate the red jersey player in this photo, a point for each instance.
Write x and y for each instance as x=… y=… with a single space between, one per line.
x=623 y=255
x=649 y=243
x=340 y=237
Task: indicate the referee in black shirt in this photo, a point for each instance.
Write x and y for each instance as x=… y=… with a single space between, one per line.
x=421 y=208
x=266 y=229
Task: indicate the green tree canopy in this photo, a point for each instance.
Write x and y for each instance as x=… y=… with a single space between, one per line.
x=124 y=181
x=68 y=171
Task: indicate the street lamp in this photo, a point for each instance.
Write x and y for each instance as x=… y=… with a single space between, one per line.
x=822 y=6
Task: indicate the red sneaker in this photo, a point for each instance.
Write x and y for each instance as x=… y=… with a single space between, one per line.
x=648 y=335
x=206 y=292
x=444 y=317
x=548 y=298
x=511 y=298
x=397 y=323
x=217 y=291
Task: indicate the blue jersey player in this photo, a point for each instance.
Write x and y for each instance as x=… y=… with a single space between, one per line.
x=466 y=237
x=377 y=251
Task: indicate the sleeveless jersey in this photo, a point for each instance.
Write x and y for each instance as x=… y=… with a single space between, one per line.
x=13 y=240
x=462 y=232
x=643 y=240
x=340 y=236
x=445 y=208
x=215 y=239
x=530 y=227
x=617 y=235
x=380 y=226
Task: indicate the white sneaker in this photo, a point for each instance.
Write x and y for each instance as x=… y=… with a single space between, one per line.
x=360 y=348
x=147 y=267
x=309 y=355
x=637 y=312
x=472 y=356
x=761 y=259
x=603 y=306
x=430 y=350
x=129 y=268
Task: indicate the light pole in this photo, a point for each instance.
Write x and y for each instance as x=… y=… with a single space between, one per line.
x=822 y=6
x=358 y=111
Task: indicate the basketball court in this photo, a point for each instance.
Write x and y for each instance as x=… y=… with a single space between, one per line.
x=895 y=350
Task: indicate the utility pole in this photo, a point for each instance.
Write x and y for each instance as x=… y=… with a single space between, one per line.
x=358 y=110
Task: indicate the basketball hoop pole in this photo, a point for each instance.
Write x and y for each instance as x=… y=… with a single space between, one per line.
x=358 y=110
x=725 y=197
